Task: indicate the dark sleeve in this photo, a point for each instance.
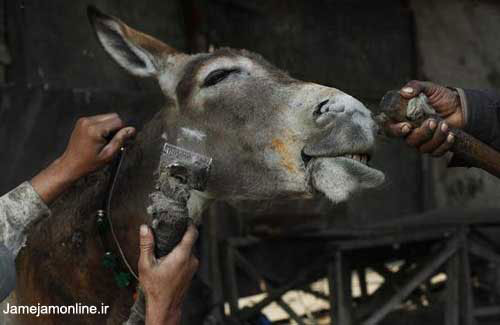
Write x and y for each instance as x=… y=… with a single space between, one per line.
x=7 y=273
x=482 y=116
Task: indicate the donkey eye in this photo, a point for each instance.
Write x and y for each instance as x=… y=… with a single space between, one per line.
x=217 y=76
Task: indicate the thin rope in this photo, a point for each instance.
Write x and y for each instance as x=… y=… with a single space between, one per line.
x=108 y=213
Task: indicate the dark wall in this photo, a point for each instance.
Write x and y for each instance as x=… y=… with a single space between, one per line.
x=361 y=47
x=53 y=45
x=59 y=72
x=36 y=123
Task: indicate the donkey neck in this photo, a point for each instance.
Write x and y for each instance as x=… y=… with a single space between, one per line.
x=135 y=180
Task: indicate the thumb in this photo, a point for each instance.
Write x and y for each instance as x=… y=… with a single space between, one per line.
x=415 y=87
x=109 y=151
x=397 y=129
x=147 y=243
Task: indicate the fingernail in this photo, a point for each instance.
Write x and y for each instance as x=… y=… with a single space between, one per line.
x=407 y=90
x=432 y=124
x=405 y=129
x=444 y=127
x=144 y=230
x=450 y=138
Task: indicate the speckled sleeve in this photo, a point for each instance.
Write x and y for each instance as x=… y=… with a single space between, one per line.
x=18 y=209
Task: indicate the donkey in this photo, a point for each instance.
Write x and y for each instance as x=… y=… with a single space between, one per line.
x=270 y=137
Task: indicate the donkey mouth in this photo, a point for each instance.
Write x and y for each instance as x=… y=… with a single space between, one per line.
x=363 y=158
x=338 y=177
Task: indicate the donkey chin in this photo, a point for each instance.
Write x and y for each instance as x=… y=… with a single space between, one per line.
x=340 y=177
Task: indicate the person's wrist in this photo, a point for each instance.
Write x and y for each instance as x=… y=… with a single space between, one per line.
x=69 y=171
x=161 y=313
x=462 y=107
x=456 y=119
x=53 y=180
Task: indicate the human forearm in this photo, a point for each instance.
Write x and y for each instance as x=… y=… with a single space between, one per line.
x=165 y=281
x=474 y=111
x=89 y=149
x=51 y=182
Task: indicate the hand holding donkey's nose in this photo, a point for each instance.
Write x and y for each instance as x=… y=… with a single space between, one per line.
x=431 y=137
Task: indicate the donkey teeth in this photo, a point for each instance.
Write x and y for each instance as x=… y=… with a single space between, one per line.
x=361 y=158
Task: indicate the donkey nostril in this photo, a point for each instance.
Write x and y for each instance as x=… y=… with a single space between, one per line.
x=329 y=106
x=322 y=107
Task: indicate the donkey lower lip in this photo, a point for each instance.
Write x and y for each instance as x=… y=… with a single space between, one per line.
x=363 y=158
x=339 y=177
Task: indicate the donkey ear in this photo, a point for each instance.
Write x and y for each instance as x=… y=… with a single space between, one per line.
x=137 y=52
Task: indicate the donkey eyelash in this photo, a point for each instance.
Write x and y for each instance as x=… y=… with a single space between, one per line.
x=217 y=76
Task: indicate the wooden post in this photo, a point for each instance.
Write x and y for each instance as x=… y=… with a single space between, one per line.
x=331 y=290
x=217 y=294
x=452 y=301
x=466 y=294
x=361 y=273
x=339 y=280
x=232 y=283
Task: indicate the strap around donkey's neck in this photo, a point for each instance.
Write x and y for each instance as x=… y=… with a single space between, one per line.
x=105 y=210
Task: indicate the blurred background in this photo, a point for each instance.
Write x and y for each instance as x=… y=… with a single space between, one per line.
x=53 y=71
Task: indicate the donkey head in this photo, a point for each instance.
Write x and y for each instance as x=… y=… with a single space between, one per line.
x=269 y=135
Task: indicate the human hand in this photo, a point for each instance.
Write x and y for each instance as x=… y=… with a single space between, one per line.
x=89 y=146
x=431 y=137
x=89 y=149
x=165 y=281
